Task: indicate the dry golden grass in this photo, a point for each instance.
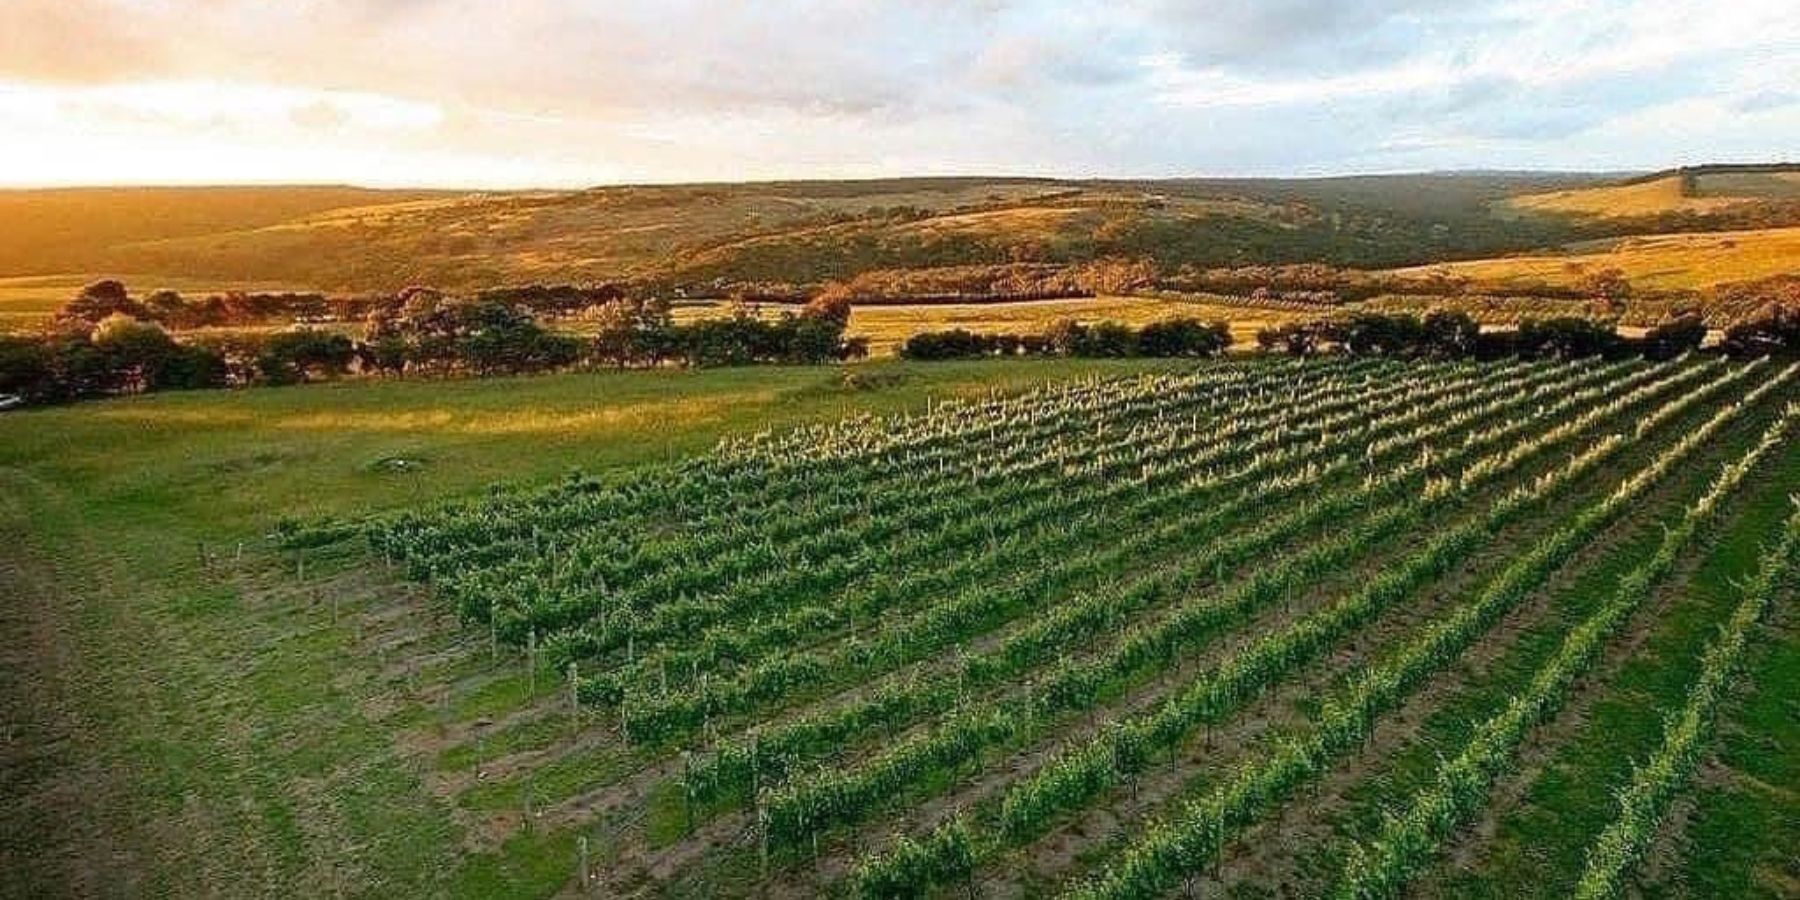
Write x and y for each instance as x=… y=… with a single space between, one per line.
x=1664 y=262
x=1710 y=193
x=1621 y=201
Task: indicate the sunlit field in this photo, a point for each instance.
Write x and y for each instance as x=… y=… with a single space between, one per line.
x=1663 y=261
x=887 y=326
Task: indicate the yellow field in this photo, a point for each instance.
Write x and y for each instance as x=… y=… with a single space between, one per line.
x=887 y=327
x=1710 y=194
x=1665 y=261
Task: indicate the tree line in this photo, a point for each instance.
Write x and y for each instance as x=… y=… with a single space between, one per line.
x=1436 y=335
x=1183 y=337
x=1453 y=334
x=105 y=343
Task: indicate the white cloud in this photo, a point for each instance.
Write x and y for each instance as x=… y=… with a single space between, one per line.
x=572 y=91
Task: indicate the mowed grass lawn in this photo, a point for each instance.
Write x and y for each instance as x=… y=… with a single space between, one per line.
x=173 y=727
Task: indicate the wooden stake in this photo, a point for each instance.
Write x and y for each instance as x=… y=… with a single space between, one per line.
x=585 y=872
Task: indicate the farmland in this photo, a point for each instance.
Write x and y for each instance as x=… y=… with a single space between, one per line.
x=1662 y=261
x=1342 y=626
x=887 y=326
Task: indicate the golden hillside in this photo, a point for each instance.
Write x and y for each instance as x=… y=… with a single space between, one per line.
x=1688 y=261
x=797 y=232
x=1704 y=191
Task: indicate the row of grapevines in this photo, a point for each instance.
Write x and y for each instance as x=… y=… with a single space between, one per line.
x=762 y=484
x=1082 y=771
x=1409 y=841
x=573 y=593
x=946 y=620
x=1644 y=802
x=776 y=587
x=831 y=796
x=1022 y=539
x=770 y=754
x=595 y=551
x=1181 y=845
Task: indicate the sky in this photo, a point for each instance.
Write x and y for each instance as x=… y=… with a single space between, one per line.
x=558 y=93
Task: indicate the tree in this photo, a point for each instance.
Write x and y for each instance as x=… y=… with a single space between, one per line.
x=1293 y=338
x=168 y=307
x=632 y=331
x=98 y=301
x=304 y=354
x=26 y=368
x=1066 y=337
x=1374 y=334
x=1607 y=284
x=1449 y=334
x=956 y=343
x=1566 y=337
x=817 y=334
x=1773 y=331
x=136 y=351
x=1675 y=336
x=1183 y=337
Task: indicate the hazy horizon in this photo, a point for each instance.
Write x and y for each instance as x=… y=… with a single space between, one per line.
x=911 y=176
x=572 y=93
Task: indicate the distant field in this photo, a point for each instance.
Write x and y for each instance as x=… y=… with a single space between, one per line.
x=888 y=326
x=1665 y=261
x=27 y=302
x=1703 y=194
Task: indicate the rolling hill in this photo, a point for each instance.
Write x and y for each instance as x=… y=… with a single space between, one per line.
x=1703 y=191
x=347 y=239
x=1683 y=261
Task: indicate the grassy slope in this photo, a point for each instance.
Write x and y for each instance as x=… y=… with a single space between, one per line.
x=1665 y=261
x=1703 y=193
x=189 y=731
x=339 y=239
x=46 y=232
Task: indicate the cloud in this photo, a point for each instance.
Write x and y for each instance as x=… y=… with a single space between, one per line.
x=674 y=89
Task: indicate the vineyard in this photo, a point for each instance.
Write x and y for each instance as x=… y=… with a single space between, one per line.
x=1297 y=627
